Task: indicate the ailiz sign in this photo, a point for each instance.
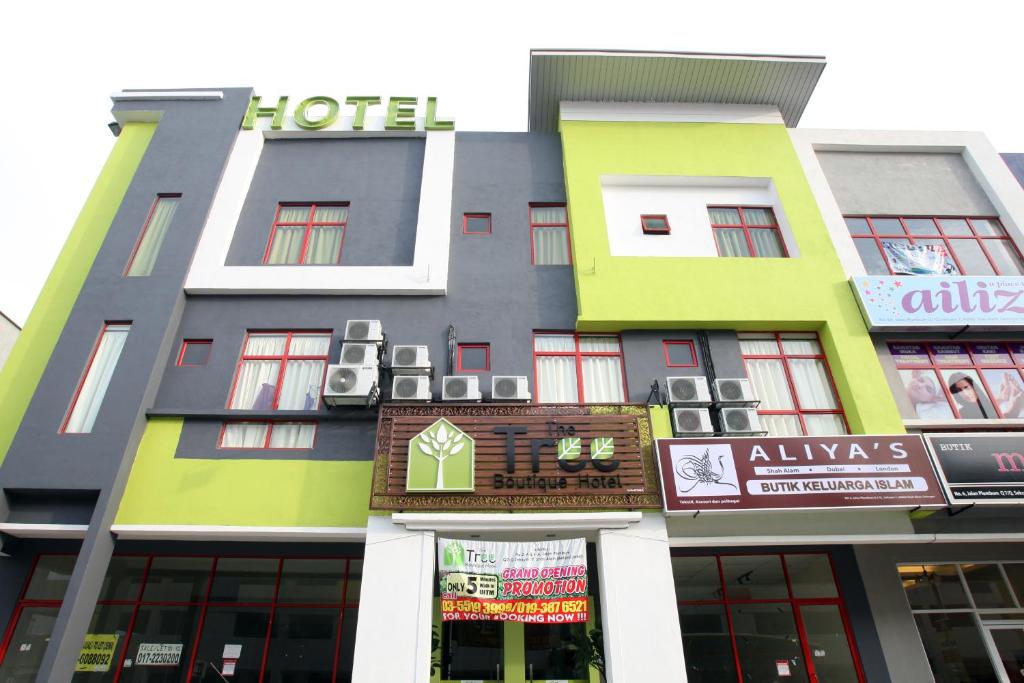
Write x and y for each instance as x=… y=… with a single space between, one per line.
x=320 y=112
x=926 y=301
x=514 y=456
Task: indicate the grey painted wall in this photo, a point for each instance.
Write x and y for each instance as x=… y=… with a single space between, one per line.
x=903 y=183
x=1016 y=164
x=379 y=177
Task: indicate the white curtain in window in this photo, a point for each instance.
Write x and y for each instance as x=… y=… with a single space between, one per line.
x=310 y=345
x=602 y=379
x=257 y=381
x=554 y=343
x=759 y=216
x=766 y=243
x=821 y=425
x=330 y=214
x=781 y=425
x=759 y=347
x=548 y=214
x=556 y=379
x=324 y=245
x=153 y=236
x=287 y=244
x=724 y=216
x=97 y=379
x=300 y=389
x=731 y=242
x=801 y=347
x=769 y=380
x=293 y=214
x=599 y=344
x=265 y=345
x=286 y=435
x=811 y=381
x=551 y=246
x=244 y=435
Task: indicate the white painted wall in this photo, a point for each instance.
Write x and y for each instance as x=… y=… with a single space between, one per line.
x=685 y=200
x=8 y=335
x=683 y=112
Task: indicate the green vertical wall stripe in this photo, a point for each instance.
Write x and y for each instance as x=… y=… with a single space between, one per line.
x=27 y=361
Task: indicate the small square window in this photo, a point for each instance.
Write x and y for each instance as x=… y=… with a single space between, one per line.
x=476 y=224
x=679 y=354
x=655 y=224
x=474 y=358
x=194 y=352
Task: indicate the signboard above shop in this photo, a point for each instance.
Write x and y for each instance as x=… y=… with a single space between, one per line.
x=920 y=301
x=514 y=456
x=796 y=473
x=985 y=469
x=352 y=114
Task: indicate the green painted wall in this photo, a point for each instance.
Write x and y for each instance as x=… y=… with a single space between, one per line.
x=808 y=293
x=27 y=361
x=163 y=489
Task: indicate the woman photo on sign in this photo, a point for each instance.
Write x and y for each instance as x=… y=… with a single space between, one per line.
x=971 y=401
x=926 y=395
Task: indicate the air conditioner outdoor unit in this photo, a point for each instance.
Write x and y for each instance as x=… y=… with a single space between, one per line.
x=368 y=331
x=410 y=360
x=510 y=388
x=358 y=354
x=692 y=422
x=740 y=421
x=350 y=385
x=411 y=388
x=690 y=391
x=460 y=388
x=735 y=392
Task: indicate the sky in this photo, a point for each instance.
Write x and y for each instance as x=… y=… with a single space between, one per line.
x=897 y=64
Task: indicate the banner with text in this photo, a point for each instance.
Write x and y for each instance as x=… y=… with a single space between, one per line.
x=980 y=468
x=792 y=473
x=910 y=301
x=540 y=583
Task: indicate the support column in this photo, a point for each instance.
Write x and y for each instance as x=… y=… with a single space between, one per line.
x=395 y=605
x=642 y=641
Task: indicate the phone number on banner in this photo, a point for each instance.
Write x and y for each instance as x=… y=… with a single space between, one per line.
x=558 y=611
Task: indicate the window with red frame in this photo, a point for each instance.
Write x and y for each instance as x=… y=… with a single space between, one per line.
x=474 y=358
x=310 y=234
x=968 y=381
x=194 y=352
x=791 y=377
x=99 y=371
x=476 y=224
x=549 y=235
x=972 y=245
x=746 y=231
x=767 y=617
x=655 y=224
x=277 y=371
x=152 y=236
x=679 y=353
x=190 y=606
x=578 y=368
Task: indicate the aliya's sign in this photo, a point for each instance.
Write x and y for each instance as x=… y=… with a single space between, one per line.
x=320 y=112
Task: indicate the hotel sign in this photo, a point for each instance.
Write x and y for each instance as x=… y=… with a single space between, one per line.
x=928 y=301
x=320 y=112
x=796 y=473
x=514 y=456
x=987 y=469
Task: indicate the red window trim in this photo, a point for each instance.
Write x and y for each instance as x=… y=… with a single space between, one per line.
x=270 y=430
x=581 y=398
x=975 y=236
x=747 y=227
x=185 y=343
x=309 y=224
x=648 y=230
x=145 y=228
x=487 y=357
x=283 y=358
x=665 y=343
x=85 y=373
x=974 y=365
x=345 y=603
x=465 y=223
x=839 y=601
x=534 y=226
x=791 y=385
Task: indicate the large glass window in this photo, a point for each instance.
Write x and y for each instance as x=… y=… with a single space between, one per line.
x=769 y=617
x=93 y=388
x=950 y=380
x=178 y=619
x=549 y=235
x=578 y=369
x=152 y=236
x=310 y=234
x=934 y=245
x=791 y=378
x=746 y=231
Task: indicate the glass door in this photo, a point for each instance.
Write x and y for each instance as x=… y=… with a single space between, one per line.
x=1006 y=647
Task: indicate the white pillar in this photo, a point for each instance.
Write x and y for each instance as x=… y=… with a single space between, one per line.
x=395 y=605
x=642 y=641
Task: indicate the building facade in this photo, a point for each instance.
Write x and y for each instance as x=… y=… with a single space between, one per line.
x=8 y=335
x=210 y=423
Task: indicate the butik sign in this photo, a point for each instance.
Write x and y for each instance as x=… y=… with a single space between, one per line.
x=796 y=473
x=539 y=583
x=927 y=301
x=980 y=468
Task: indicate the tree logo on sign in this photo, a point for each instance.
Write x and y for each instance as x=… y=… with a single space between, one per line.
x=440 y=459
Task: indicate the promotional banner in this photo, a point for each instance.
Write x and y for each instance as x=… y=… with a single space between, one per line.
x=907 y=301
x=987 y=469
x=542 y=582
x=796 y=473
x=917 y=259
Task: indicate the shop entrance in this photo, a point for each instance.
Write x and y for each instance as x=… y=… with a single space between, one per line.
x=1005 y=640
